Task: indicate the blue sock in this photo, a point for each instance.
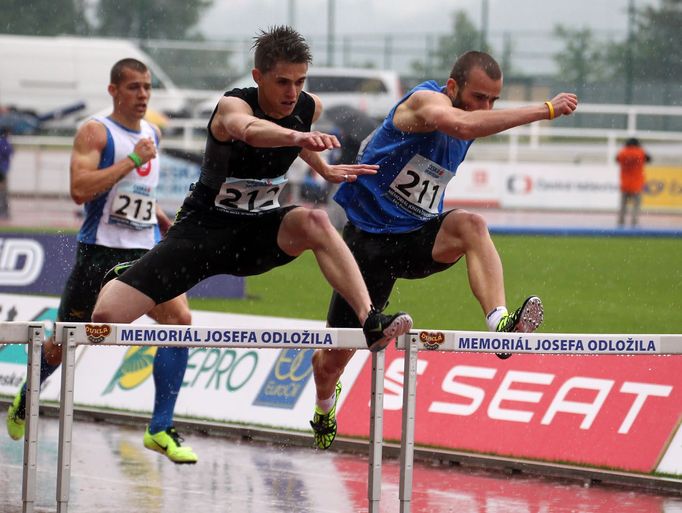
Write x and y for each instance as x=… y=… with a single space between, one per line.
x=169 y=370
x=46 y=371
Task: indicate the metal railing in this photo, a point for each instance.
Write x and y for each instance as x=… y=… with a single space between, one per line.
x=188 y=134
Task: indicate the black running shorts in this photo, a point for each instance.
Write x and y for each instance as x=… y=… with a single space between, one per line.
x=383 y=258
x=83 y=285
x=200 y=245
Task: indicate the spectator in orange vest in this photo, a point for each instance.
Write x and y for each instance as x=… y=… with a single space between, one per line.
x=631 y=158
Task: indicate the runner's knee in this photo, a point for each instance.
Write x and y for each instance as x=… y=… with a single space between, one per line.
x=331 y=363
x=100 y=314
x=316 y=227
x=318 y=220
x=469 y=227
x=181 y=316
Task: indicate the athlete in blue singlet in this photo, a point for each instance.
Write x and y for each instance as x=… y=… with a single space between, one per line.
x=396 y=225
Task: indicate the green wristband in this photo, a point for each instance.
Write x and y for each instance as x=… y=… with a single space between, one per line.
x=135 y=158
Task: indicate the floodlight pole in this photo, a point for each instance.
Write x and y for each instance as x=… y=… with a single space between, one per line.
x=330 y=33
x=291 y=15
x=484 y=24
x=629 y=51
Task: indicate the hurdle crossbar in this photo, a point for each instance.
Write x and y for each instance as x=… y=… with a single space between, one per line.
x=33 y=334
x=543 y=343
x=197 y=336
x=71 y=335
x=493 y=342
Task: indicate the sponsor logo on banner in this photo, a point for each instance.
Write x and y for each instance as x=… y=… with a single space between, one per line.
x=97 y=333
x=34 y=263
x=220 y=369
x=287 y=379
x=13 y=357
x=16 y=353
x=136 y=367
x=608 y=410
x=226 y=369
x=663 y=188
x=480 y=177
x=431 y=339
x=21 y=261
x=519 y=184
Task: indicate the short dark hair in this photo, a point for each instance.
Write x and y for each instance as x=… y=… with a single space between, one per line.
x=280 y=44
x=470 y=60
x=632 y=141
x=116 y=75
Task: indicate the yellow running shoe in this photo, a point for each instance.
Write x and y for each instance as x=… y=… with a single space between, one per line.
x=169 y=443
x=16 y=413
x=324 y=424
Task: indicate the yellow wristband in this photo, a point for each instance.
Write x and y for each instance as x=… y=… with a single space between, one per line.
x=551 y=109
x=135 y=158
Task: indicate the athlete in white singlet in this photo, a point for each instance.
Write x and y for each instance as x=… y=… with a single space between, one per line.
x=114 y=173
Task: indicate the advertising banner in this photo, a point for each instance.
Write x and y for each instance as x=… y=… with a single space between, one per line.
x=529 y=185
x=479 y=184
x=605 y=411
x=176 y=176
x=558 y=186
x=40 y=263
x=663 y=189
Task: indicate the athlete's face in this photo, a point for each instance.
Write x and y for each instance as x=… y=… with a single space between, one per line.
x=279 y=88
x=480 y=92
x=131 y=95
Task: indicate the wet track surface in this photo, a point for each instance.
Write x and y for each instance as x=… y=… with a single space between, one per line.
x=112 y=472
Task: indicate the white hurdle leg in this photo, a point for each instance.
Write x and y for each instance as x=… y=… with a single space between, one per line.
x=407 y=438
x=66 y=419
x=35 y=335
x=376 y=431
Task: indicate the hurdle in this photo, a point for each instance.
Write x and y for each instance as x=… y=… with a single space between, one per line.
x=518 y=343
x=33 y=334
x=71 y=335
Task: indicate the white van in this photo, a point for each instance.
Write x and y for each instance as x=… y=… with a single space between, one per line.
x=42 y=74
x=372 y=91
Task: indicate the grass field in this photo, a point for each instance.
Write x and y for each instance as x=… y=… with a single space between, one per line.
x=588 y=285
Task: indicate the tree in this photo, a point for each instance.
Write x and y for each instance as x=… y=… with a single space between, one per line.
x=147 y=19
x=464 y=37
x=195 y=68
x=583 y=58
x=44 y=17
x=657 y=42
x=650 y=51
